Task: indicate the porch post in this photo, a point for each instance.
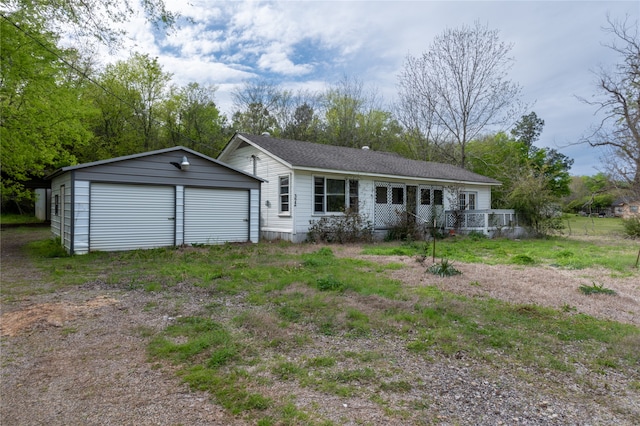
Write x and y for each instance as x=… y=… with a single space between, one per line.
x=486 y=222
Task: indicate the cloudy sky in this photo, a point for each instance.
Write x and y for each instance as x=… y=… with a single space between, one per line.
x=557 y=47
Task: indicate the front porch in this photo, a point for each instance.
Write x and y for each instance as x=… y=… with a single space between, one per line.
x=489 y=222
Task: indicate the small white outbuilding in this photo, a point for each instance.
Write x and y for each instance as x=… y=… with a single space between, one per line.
x=167 y=197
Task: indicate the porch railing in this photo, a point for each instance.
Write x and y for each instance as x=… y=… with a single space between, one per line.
x=485 y=221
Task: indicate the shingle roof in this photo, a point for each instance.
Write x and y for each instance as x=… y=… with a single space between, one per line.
x=331 y=157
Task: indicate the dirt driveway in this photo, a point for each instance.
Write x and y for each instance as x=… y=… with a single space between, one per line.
x=77 y=357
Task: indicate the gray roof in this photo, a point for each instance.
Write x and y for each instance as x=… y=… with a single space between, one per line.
x=146 y=154
x=301 y=154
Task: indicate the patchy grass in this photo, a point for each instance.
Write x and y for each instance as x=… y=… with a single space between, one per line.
x=617 y=255
x=596 y=289
x=267 y=306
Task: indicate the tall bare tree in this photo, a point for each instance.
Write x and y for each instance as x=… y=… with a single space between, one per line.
x=619 y=101
x=459 y=88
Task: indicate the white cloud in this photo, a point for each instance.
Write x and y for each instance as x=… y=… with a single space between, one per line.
x=306 y=44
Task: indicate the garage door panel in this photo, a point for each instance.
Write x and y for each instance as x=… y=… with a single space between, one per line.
x=214 y=216
x=128 y=217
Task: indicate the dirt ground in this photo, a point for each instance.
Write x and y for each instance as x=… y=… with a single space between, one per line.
x=78 y=357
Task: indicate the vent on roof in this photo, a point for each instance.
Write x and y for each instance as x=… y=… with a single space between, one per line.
x=265 y=134
x=366 y=148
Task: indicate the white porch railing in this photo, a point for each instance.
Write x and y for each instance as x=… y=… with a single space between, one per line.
x=486 y=221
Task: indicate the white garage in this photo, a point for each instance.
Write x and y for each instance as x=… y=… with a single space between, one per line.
x=128 y=217
x=161 y=198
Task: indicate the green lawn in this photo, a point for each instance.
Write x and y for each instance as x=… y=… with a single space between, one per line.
x=616 y=254
x=264 y=307
x=595 y=226
x=11 y=218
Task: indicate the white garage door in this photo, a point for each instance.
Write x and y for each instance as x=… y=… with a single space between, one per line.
x=215 y=216
x=128 y=217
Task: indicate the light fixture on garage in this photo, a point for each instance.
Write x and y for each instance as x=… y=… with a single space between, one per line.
x=184 y=165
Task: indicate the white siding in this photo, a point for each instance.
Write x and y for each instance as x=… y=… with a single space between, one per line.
x=303 y=196
x=269 y=169
x=179 y=215
x=81 y=217
x=215 y=216
x=127 y=217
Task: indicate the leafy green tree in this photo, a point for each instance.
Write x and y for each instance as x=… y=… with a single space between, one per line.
x=501 y=158
x=93 y=19
x=42 y=108
x=130 y=97
x=256 y=119
x=531 y=197
x=528 y=129
x=305 y=125
x=257 y=106
x=354 y=118
x=191 y=118
x=533 y=179
x=554 y=166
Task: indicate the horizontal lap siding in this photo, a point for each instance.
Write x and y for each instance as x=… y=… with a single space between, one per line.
x=269 y=169
x=127 y=217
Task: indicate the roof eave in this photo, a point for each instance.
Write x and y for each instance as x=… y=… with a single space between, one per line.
x=387 y=176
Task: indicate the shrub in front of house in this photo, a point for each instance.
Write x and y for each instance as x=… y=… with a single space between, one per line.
x=350 y=227
x=632 y=227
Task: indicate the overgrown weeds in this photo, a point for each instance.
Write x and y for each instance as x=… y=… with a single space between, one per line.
x=596 y=289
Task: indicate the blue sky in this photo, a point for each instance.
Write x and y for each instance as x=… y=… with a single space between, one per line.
x=557 y=46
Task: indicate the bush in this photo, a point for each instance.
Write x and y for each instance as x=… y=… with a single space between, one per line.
x=406 y=228
x=632 y=227
x=349 y=227
x=476 y=236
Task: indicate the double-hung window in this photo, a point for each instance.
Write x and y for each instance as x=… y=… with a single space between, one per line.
x=284 y=194
x=467 y=200
x=334 y=195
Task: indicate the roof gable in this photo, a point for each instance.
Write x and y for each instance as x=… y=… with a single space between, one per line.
x=301 y=155
x=180 y=150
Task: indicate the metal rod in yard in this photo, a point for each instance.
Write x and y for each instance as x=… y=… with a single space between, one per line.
x=638 y=259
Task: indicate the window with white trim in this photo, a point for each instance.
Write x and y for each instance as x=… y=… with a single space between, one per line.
x=284 y=192
x=467 y=200
x=334 y=195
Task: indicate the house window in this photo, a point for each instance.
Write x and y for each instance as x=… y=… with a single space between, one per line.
x=437 y=197
x=634 y=209
x=284 y=193
x=353 y=195
x=467 y=201
x=397 y=195
x=56 y=205
x=381 y=195
x=329 y=195
x=425 y=196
